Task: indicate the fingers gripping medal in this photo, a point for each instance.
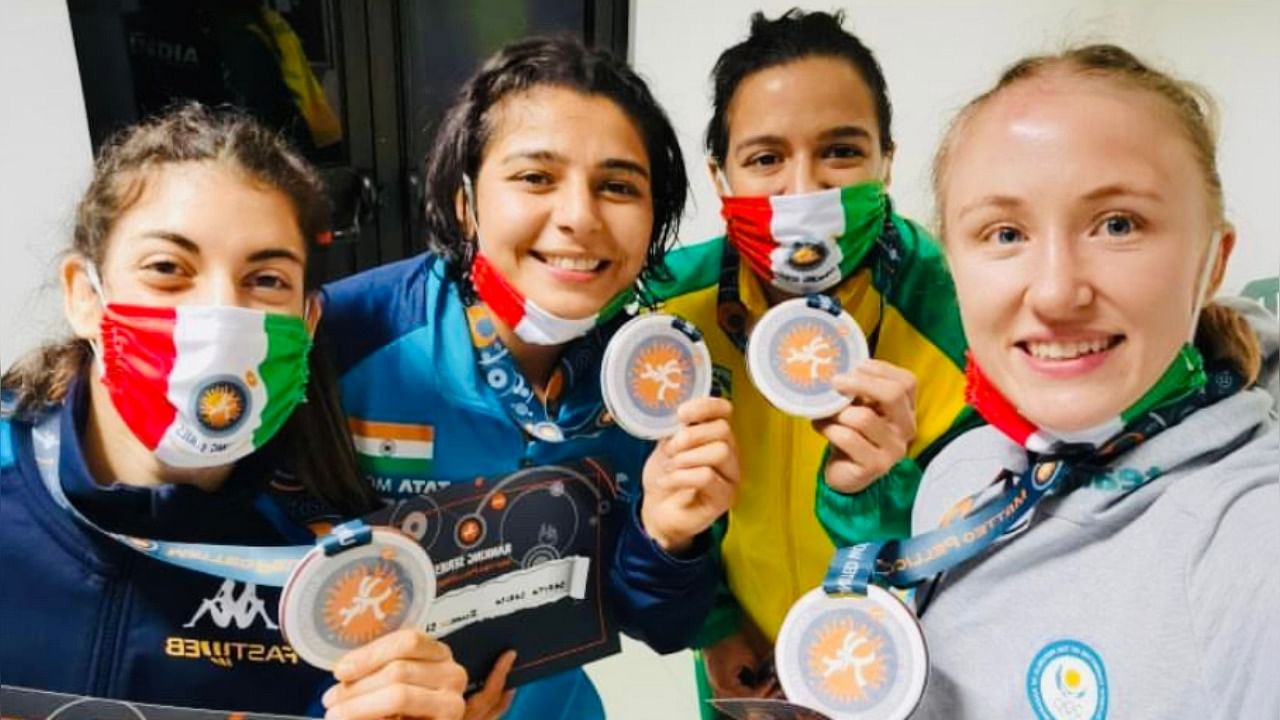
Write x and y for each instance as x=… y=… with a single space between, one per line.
x=653 y=364
x=795 y=350
x=857 y=657
x=352 y=589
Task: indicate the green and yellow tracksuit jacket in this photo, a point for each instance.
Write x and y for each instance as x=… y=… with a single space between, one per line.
x=773 y=545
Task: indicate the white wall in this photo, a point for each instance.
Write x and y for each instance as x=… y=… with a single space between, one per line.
x=938 y=54
x=45 y=160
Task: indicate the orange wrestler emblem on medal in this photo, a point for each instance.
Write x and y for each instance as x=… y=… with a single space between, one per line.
x=847 y=659
x=658 y=376
x=807 y=355
x=363 y=603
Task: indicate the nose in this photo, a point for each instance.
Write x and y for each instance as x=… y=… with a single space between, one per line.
x=576 y=209
x=218 y=288
x=1060 y=286
x=805 y=176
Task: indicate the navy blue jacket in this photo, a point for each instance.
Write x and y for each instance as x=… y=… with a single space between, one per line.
x=405 y=355
x=83 y=614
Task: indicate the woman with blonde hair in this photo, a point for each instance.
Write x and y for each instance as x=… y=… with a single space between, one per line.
x=1104 y=547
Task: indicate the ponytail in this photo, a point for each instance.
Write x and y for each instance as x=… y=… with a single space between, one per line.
x=1224 y=337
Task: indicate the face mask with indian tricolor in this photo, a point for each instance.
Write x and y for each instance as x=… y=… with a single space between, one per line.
x=809 y=242
x=203 y=385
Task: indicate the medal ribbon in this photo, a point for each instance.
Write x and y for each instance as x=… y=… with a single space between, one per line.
x=268 y=565
x=501 y=373
x=1065 y=466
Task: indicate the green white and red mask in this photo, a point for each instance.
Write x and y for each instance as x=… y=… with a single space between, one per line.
x=202 y=385
x=809 y=242
x=529 y=321
x=1185 y=375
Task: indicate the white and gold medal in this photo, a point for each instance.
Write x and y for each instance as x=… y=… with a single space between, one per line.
x=332 y=604
x=856 y=657
x=795 y=350
x=652 y=365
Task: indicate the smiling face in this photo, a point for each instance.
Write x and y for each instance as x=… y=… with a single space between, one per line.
x=1077 y=226
x=563 y=199
x=199 y=233
x=800 y=127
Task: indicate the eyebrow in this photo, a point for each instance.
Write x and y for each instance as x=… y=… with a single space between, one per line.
x=1115 y=189
x=999 y=201
x=1106 y=191
x=838 y=132
x=846 y=131
x=622 y=164
x=178 y=239
x=193 y=247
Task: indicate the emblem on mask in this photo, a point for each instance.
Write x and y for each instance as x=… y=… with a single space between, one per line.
x=807 y=256
x=221 y=404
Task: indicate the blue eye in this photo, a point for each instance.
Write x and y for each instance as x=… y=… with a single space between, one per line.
x=1007 y=235
x=1118 y=225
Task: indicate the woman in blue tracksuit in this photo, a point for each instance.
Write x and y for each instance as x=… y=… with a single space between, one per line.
x=171 y=417
x=553 y=186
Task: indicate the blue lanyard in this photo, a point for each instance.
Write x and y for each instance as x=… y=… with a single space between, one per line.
x=907 y=562
x=910 y=561
x=498 y=368
x=251 y=564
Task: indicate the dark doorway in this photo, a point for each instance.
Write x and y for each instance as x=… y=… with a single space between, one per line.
x=357 y=85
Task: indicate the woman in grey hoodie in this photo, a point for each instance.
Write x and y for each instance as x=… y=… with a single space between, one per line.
x=1082 y=217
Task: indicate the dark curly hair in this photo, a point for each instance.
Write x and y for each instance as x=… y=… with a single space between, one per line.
x=794 y=35
x=558 y=61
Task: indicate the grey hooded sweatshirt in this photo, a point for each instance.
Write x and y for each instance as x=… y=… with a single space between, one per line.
x=1153 y=591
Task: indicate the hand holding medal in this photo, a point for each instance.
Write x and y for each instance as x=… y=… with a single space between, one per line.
x=656 y=382
x=810 y=359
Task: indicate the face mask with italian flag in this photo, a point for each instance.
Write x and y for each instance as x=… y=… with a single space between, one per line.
x=1184 y=376
x=529 y=322
x=809 y=242
x=203 y=386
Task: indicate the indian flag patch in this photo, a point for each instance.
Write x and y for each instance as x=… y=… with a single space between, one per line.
x=388 y=449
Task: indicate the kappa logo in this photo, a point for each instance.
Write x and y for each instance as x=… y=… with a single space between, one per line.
x=1067 y=681
x=809 y=355
x=226 y=608
x=848 y=661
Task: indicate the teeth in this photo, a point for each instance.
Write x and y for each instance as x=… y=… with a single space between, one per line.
x=580 y=264
x=1066 y=350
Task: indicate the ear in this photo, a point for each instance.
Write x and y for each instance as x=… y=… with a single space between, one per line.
x=80 y=304
x=1226 y=244
x=312 y=309
x=460 y=212
x=718 y=180
x=888 y=169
